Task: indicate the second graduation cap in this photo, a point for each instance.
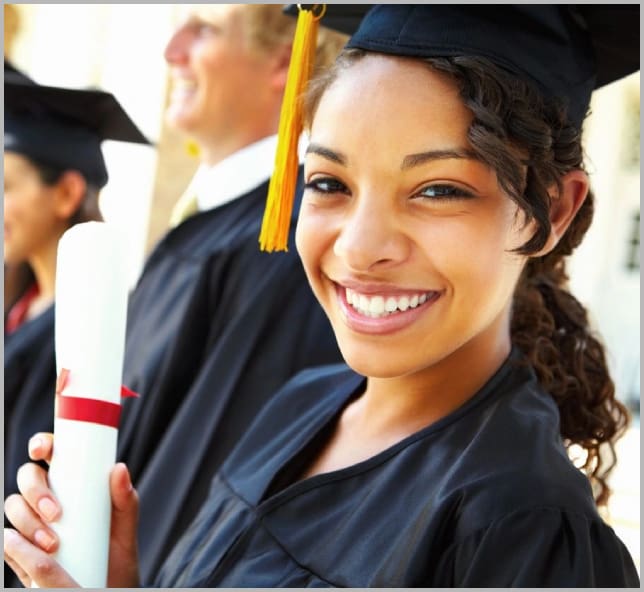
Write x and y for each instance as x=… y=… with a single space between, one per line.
x=64 y=127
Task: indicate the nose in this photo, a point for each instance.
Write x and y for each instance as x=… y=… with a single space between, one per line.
x=371 y=238
x=176 y=51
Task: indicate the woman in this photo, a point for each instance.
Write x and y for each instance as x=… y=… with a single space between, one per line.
x=433 y=228
x=53 y=171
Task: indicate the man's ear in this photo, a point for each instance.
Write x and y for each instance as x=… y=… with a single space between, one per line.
x=281 y=61
x=70 y=193
x=564 y=206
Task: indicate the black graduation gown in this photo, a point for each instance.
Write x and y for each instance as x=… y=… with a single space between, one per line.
x=215 y=327
x=29 y=387
x=485 y=497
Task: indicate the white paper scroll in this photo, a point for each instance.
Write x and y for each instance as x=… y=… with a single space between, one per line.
x=91 y=307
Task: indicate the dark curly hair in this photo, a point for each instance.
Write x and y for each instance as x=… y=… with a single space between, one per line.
x=528 y=141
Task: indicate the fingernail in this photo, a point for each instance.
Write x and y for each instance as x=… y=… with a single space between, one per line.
x=48 y=508
x=34 y=444
x=127 y=481
x=10 y=535
x=44 y=539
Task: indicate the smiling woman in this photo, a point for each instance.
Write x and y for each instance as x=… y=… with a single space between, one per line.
x=444 y=188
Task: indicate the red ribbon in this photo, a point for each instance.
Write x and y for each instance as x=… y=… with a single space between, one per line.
x=88 y=410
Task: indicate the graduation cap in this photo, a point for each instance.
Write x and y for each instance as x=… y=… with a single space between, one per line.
x=565 y=50
x=63 y=127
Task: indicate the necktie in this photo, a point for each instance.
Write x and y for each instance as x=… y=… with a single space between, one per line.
x=185 y=207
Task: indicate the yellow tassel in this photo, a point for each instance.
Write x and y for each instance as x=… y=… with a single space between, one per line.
x=281 y=190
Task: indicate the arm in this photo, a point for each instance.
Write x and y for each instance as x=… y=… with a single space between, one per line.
x=28 y=549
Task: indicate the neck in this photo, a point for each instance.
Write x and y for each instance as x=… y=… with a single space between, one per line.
x=216 y=147
x=403 y=405
x=44 y=268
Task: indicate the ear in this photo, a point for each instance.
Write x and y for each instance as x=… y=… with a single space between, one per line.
x=69 y=194
x=279 y=73
x=564 y=206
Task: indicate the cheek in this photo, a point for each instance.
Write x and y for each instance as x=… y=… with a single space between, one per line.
x=475 y=255
x=314 y=241
x=306 y=241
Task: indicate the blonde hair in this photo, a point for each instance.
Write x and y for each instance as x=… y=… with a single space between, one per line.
x=268 y=28
x=11 y=27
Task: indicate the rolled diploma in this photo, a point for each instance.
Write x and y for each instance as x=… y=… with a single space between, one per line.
x=91 y=307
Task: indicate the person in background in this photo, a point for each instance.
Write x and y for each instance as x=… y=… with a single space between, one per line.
x=53 y=172
x=205 y=346
x=444 y=188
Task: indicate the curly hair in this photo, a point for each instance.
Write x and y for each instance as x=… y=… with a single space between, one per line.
x=528 y=141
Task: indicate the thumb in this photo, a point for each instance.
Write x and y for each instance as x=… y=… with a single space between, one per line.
x=125 y=507
x=125 y=514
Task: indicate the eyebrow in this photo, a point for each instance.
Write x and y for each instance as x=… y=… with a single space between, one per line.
x=409 y=161
x=413 y=160
x=327 y=153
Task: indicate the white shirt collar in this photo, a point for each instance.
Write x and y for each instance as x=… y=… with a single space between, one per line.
x=234 y=176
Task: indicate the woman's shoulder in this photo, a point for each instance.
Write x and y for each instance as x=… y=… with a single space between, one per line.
x=541 y=547
x=301 y=407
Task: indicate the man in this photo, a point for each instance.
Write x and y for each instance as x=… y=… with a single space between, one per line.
x=215 y=326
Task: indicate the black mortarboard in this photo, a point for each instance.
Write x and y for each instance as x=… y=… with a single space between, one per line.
x=63 y=127
x=567 y=50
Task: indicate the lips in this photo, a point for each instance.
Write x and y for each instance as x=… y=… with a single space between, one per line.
x=371 y=312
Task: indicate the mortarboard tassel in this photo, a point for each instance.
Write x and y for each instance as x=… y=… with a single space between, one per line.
x=281 y=190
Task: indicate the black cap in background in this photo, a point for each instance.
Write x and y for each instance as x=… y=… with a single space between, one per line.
x=63 y=127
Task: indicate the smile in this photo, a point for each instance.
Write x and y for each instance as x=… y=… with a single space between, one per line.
x=385 y=312
x=383 y=306
x=184 y=84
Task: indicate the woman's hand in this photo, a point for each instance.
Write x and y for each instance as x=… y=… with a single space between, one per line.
x=28 y=549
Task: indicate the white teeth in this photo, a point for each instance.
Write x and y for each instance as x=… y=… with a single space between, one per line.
x=378 y=306
x=184 y=84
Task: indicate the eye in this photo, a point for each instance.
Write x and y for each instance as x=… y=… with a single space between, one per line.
x=444 y=191
x=326 y=185
x=203 y=28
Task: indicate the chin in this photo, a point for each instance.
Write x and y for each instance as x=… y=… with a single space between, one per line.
x=179 y=119
x=376 y=366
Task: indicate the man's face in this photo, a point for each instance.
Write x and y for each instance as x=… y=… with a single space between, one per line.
x=217 y=76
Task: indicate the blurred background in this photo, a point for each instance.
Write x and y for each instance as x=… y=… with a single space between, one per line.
x=119 y=48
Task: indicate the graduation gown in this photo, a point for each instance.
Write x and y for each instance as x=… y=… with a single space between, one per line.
x=29 y=387
x=484 y=497
x=215 y=327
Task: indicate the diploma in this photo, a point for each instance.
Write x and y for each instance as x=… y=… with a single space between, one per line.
x=91 y=306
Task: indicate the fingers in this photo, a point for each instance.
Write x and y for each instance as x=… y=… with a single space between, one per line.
x=41 y=446
x=23 y=576
x=32 y=564
x=29 y=524
x=33 y=485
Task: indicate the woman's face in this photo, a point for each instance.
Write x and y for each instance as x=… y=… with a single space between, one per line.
x=30 y=220
x=404 y=235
